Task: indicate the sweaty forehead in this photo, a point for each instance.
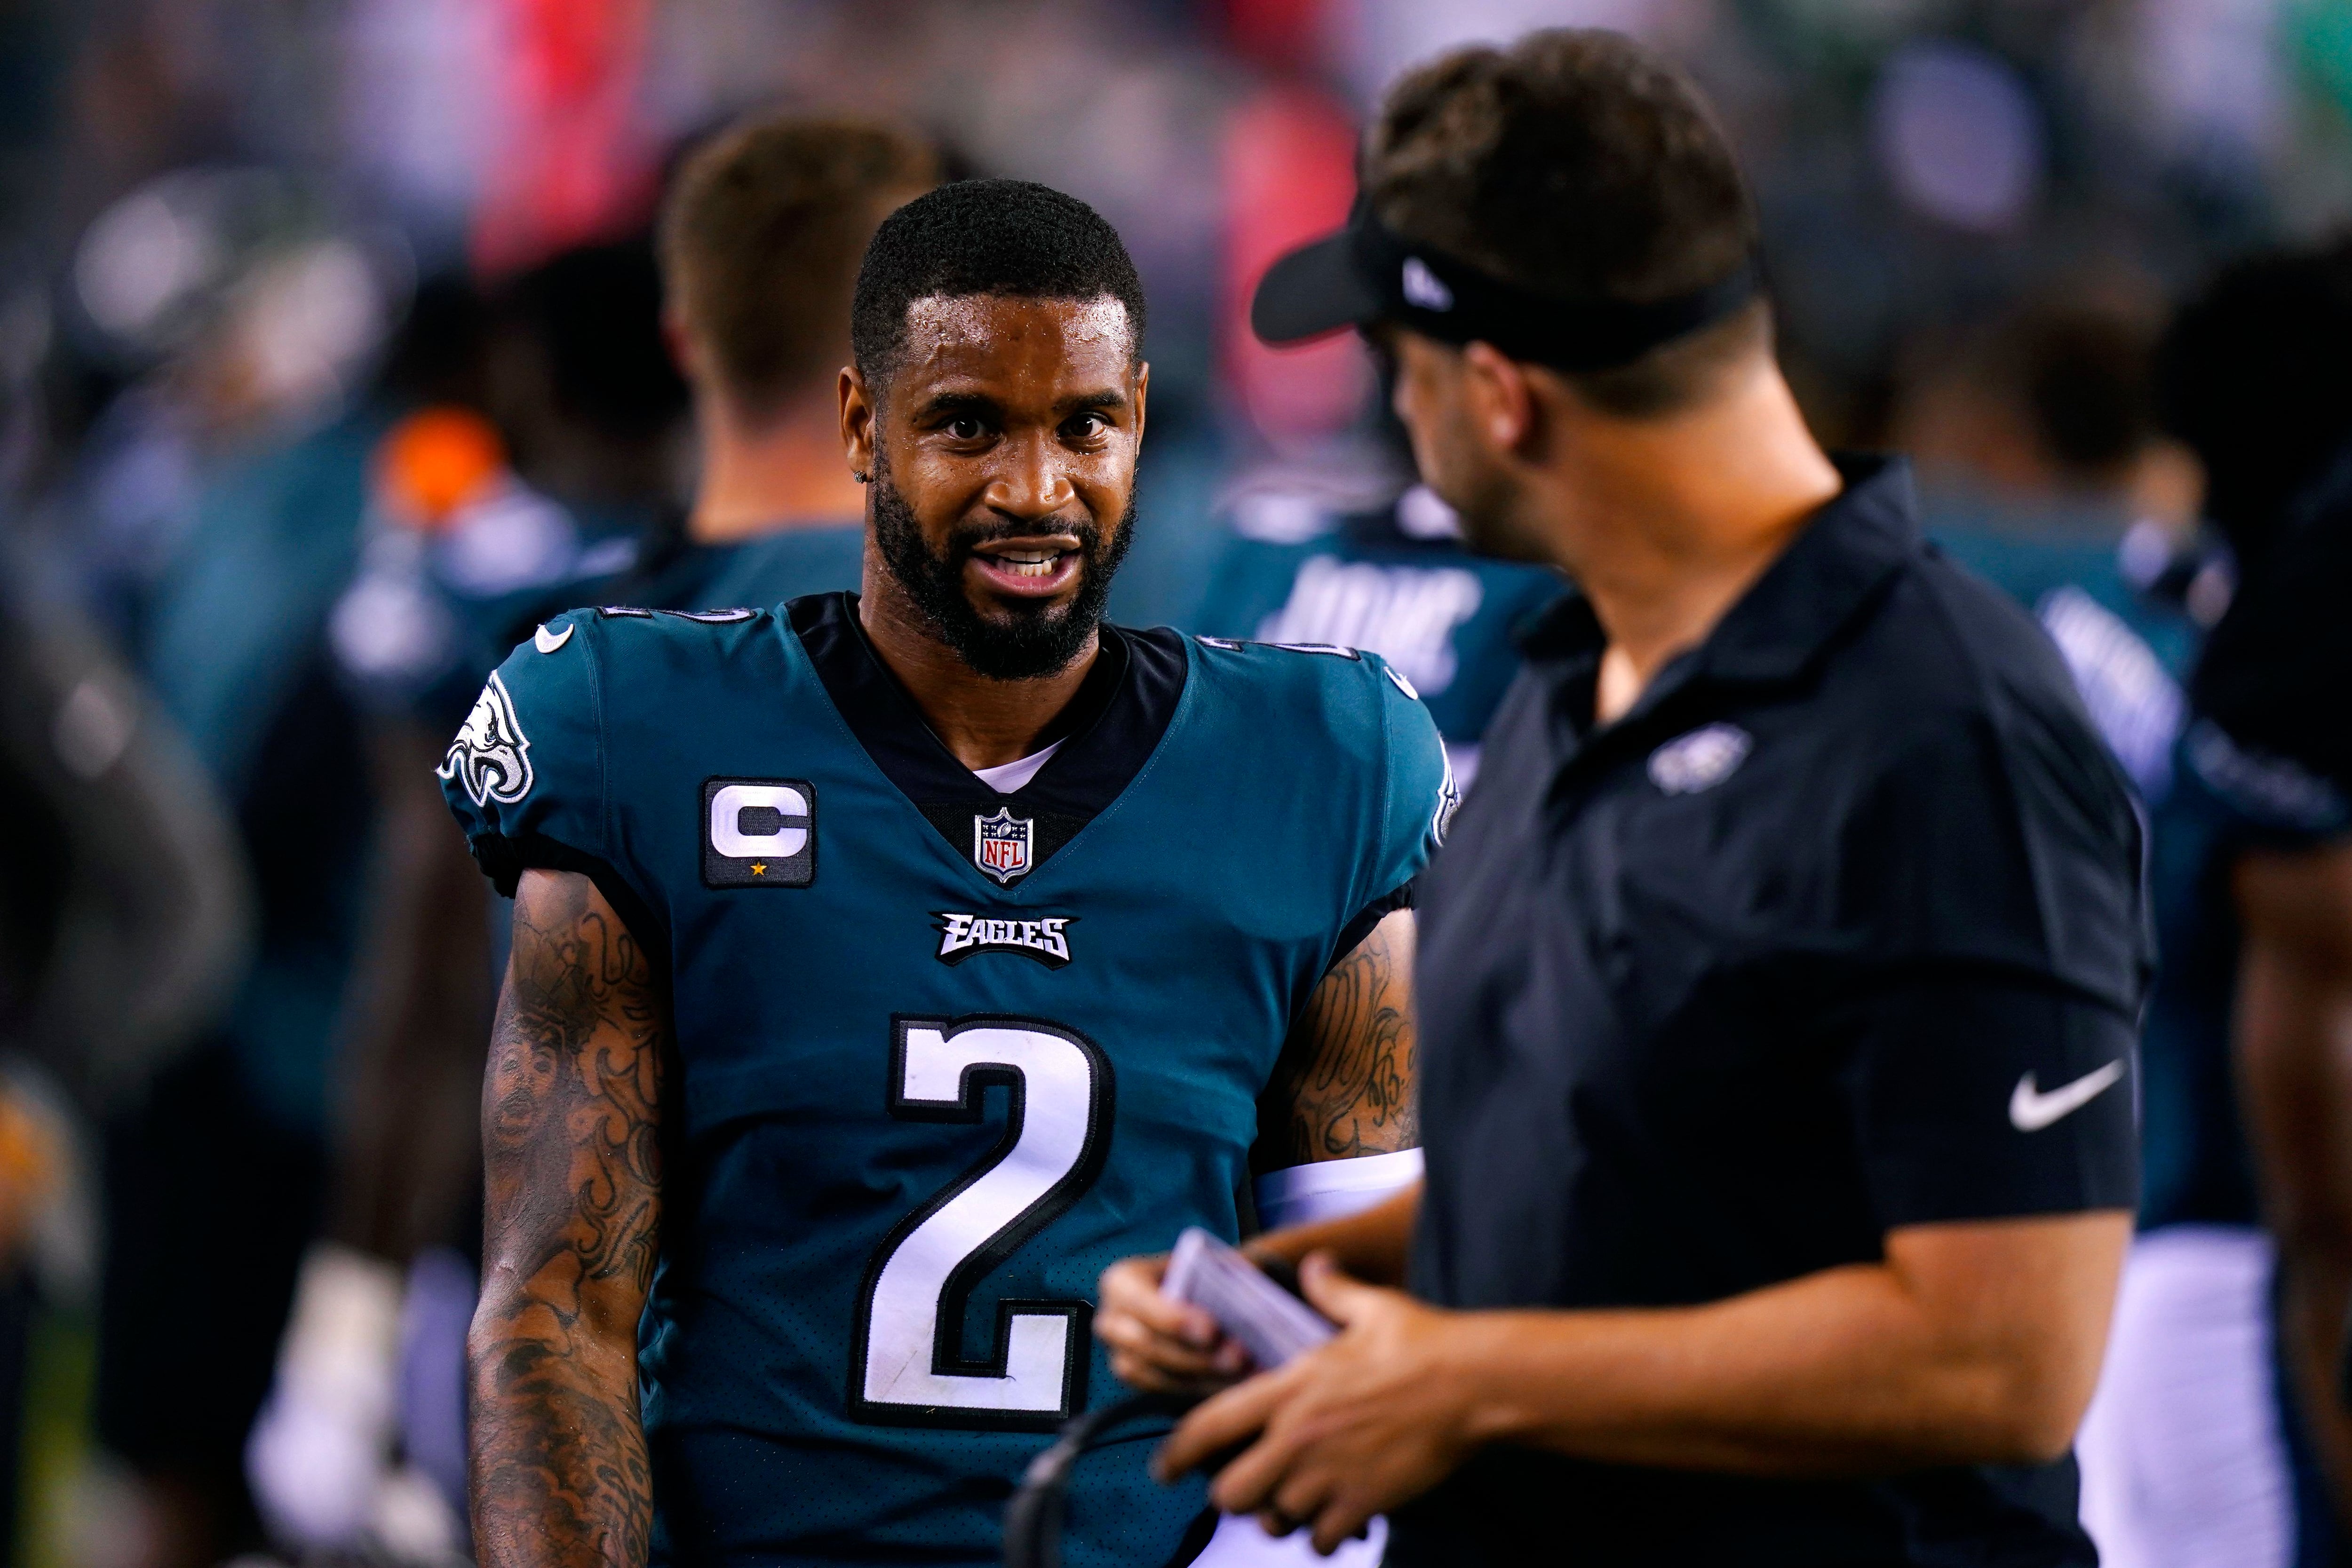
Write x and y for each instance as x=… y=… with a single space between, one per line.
x=991 y=336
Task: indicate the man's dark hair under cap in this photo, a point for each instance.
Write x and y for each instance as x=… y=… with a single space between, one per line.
x=985 y=237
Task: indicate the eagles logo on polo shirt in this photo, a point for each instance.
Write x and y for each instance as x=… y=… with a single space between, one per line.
x=759 y=833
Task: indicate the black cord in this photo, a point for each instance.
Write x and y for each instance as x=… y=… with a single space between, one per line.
x=1032 y=1519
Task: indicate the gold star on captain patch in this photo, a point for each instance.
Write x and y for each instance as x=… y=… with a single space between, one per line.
x=759 y=868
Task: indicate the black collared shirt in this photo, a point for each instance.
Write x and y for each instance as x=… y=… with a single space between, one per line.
x=1840 y=930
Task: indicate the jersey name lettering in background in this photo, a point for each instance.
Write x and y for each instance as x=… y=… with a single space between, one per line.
x=1406 y=614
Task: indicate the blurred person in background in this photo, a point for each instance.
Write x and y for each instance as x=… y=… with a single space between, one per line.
x=2217 y=1435
x=2041 y=469
x=125 y=914
x=760 y=239
x=581 y=384
x=324 y=591
x=1382 y=569
x=209 y=335
x=560 y=458
x=212 y=1175
x=557 y=457
x=760 y=244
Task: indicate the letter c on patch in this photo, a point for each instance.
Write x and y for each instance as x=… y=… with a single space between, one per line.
x=727 y=809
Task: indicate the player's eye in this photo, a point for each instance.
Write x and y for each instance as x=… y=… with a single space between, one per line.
x=965 y=427
x=1088 y=426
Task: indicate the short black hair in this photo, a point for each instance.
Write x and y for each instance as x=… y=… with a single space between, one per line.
x=2250 y=376
x=1574 y=164
x=985 y=237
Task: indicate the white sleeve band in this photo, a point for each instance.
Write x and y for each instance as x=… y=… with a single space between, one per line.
x=1332 y=1189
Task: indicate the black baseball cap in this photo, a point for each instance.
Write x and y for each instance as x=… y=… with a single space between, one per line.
x=1367 y=273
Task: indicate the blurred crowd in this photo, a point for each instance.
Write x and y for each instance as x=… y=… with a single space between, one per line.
x=330 y=337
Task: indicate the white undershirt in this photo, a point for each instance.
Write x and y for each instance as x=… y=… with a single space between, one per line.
x=1007 y=778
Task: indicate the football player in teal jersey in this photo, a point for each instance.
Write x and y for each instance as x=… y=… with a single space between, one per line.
x=2043 y=470
x=1385 y=570
x=886 y=965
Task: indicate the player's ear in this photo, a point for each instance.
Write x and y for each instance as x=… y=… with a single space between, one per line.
x=858 y=432
x=1501 y=402
x=1142 y=388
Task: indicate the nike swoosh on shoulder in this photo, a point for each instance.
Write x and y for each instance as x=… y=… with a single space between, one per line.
x=2029 y=1110
x=548 y=642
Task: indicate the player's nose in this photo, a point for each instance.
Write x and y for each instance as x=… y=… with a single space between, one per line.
x=1030 y=483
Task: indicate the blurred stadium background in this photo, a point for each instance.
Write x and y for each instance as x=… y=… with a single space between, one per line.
x=241 y=239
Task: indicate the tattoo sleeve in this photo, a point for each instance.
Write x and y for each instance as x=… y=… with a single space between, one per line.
x=1346 y=1083
x=572 y=1165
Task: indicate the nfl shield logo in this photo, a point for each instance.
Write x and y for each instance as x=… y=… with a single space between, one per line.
x=1001 y=844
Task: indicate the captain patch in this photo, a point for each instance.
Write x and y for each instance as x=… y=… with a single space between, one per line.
x=759 y=833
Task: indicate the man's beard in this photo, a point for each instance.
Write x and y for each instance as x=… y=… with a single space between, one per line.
x=1029 y=640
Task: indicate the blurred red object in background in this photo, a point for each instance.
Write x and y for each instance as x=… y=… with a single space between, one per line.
x=576 y=162
x=1287 y=35
x=1290 y=176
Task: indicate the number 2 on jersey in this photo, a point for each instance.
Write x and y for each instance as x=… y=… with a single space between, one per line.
x=908 y=1365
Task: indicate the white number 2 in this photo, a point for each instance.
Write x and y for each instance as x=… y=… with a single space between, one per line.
x=907 y=1366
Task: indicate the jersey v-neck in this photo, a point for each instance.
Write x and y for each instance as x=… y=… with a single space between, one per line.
x=1109 y=731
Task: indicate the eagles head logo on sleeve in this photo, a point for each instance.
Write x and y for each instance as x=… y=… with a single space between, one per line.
x=1449 y=800
x=490 y=758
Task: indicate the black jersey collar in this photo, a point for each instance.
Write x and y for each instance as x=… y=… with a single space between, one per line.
x=1108 y=731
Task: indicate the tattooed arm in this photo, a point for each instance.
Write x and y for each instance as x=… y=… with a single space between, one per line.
x=1345 y=1086
x=572 y=1154
x=1348 y=1085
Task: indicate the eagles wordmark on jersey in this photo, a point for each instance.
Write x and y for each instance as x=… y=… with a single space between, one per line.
x=1046 y=940
x=942 y=1053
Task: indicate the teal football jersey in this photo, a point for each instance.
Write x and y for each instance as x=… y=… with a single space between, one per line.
x=944 y=1053
x=1446 y=619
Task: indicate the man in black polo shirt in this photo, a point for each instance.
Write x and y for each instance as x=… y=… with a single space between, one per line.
x=1778 y=982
